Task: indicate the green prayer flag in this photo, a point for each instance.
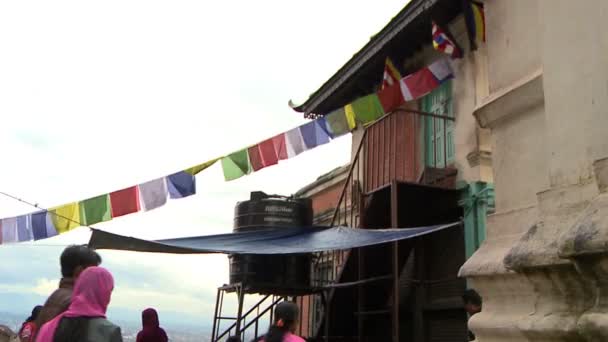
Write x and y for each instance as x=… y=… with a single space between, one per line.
x=236 y=165
x=367 y=109
x=338 y=125
x=95 y=210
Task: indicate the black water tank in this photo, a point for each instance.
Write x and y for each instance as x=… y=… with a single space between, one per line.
x=272 y=274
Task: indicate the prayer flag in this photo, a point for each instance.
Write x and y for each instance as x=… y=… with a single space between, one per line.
x=124 y=201
x=418 y=84
x=236 y=165
x=349 y=111
x=313 y=135
x=294 y=142
x=255 y=158
x=337 y=123
x=9 y=230
x=443 y=43
x=391 y=97
x=95 y=210
x=181 y=184
x=280 y=147
x=441 y=70
x=475 y=21
x=391 y=74
x=367 y=109
x=153 y=194
x=23 y=228
x=200 y=167
x=65 y=217
x=42 y=225
x=268 y=153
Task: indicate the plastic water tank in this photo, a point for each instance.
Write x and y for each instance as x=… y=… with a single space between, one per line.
x=271 y=274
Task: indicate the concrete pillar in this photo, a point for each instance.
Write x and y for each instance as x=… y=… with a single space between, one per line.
x=543 y=272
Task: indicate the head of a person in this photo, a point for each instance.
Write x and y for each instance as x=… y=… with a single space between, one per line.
x=472 y=301
x=92 y=292
x=286 y=316
x=35 y=312
x=76 y=259
x=149 y=318
x=233 y=339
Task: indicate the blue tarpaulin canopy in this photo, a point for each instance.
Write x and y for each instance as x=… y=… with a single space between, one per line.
x=291 y=240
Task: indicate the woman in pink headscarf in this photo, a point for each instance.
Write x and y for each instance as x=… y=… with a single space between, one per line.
x=85 y=319
x=151 y=332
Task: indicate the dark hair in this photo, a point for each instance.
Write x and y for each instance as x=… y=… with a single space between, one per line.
x=35 y=313
x=72 y=329
x=233 y=339
x=77 y=255
x=288 y=313
x=471 y=296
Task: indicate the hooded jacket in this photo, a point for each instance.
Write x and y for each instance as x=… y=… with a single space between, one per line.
x=151 y=331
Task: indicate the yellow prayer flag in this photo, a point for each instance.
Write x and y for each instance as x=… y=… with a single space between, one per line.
x=350 y=116
x=200 y=167
x=65 y=217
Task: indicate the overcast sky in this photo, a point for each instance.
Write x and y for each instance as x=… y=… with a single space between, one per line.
x=97 y=96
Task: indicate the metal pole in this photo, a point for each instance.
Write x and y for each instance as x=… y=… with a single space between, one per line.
x=395 y=257
x=240 y=294
x=215 y=315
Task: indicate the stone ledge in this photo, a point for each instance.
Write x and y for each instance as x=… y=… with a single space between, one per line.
x=523 y=94
x=475 y=158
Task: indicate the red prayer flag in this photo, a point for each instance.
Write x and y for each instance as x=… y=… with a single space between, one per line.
x=280 y=147
x=268 y=153
x=125 y=201
x=255 y=158
x=391 y=97
x=421 y=82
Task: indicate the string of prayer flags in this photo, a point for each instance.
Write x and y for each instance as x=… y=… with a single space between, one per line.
x=153 y=194
x=181 y=184
x=124 y=202
x=95 y=210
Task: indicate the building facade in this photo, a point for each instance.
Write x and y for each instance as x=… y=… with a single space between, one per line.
x=427 y=162
x=541 y=270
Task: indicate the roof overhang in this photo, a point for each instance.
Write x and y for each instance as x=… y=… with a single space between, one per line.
x=403 y=36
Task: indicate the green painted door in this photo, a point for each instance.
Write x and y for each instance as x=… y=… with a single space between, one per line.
x=439 y=133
